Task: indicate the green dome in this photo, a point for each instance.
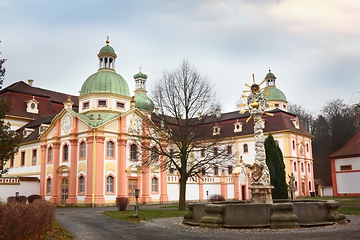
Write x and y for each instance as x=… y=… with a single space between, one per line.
x=143 y=102
x=274 y=93
x=107 y=49
x=140 y=75
x=105 y=82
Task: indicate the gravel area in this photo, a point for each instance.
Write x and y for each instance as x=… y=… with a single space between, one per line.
x=350 y=230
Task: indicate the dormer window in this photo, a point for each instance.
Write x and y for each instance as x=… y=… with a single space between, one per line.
x=27 y=132
x=43 y=128
x=295 y=121
x=102 y=103
x=32 y=106
x=238 y=126
x=216 y=129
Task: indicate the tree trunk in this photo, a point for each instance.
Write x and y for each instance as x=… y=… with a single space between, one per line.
x=182 y=193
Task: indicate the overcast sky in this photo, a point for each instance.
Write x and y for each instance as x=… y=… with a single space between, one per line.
x=312 y=46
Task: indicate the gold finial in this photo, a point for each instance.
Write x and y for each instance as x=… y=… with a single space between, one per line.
x=107 y=40
x=269 y=70
x=140 y=69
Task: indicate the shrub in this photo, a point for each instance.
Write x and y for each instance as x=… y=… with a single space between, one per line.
x=216 y=198
x=122 y=203
x=19 y=199
x=33 y=197
x=25 y=221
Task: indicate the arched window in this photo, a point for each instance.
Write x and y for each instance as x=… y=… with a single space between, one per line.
x=110 y=184
x=133 y=150
x=110 y=149
x=302 y=167
x=50 y=155
x=309 y=169
x=154 y=184
x=48 y=185
x=82 y=150
x=293 y=144
x=295 y=183
x=245 y=148
x=307 y=147
x=65 y=153
x=294 y=166
x=309 y=186
x=81 y=184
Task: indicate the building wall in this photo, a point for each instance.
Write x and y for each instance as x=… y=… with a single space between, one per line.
x=346 y=176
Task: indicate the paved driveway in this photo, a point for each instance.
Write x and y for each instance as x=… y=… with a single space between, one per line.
x=90 y=223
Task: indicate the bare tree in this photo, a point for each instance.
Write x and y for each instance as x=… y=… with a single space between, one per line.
x=332 y=129
x=2 y=71
x=305 y=117
x=183 y=130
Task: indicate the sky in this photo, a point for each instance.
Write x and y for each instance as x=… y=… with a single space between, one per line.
x=312 y=46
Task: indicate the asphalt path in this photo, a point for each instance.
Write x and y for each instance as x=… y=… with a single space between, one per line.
x=92 y=224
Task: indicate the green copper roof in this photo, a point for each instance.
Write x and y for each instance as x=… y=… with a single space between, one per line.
x=107 y=49
x=273 y=93
x=140 y=75
x=270 y=75
x=105 y=82
x=143 y=102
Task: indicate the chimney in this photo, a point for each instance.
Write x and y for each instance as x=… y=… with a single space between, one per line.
x=30 y=82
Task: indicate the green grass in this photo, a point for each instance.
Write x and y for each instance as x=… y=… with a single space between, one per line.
x=144 y=215
x=57 y=232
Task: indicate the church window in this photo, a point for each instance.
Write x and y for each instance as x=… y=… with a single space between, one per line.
x=229 y=150
x=110 y=149
x=154 y=184
x=50 y=155
x=202 y=153
x=110 y=184
x=66 y=153
x=216 y=170
x=309 y=186
x=276 y=105
x=302 y=167
x=48 y=185
x=293 y=144
x=154 y=154
x=133 y=150
x=294 y=166
x=307 y=147
x=215 y=151
x=82 y=150
x=81 y=184
x=11 y=162
x=245 y=148
x=230 y=169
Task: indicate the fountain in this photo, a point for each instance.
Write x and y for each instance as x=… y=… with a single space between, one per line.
x=261 y=211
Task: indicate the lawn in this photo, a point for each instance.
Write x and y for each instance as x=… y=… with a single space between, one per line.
x=144 y=215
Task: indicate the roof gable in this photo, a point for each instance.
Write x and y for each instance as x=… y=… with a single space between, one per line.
x=352 y=147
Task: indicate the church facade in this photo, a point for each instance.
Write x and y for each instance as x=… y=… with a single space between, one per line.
x=81 y=149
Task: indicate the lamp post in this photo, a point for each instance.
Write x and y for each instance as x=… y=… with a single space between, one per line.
x=137 y=201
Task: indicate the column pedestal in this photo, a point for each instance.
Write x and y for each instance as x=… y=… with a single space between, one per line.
x=261 y=194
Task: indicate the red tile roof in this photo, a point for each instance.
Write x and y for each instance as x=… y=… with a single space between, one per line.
x=50 y=102
x=352 y=147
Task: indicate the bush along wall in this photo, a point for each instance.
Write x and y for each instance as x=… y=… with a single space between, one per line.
x=26 y=221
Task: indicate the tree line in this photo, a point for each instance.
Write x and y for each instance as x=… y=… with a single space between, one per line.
x=335 y=124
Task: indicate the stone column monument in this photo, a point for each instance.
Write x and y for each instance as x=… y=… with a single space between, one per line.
x=260 y=175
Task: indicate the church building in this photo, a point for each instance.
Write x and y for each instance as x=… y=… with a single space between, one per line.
x=81 y=150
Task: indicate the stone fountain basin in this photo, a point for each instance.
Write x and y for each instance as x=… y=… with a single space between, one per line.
x=280 y=214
